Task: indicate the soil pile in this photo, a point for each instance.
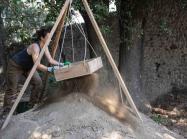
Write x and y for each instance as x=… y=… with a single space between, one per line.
x=74 y=117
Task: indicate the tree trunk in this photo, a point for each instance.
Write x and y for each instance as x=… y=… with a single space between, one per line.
x=131 y=54
x=2 y=51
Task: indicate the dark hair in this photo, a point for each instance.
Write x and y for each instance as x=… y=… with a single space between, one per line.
x=42 y=32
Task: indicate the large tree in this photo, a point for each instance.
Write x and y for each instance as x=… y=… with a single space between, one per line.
x=132 y=21
x=2 y=45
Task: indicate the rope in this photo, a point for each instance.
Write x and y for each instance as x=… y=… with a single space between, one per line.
x=86 y=39
x=62 y=46
x=72 y=44
x=83 y=33
x=85 y=42
x=120 y=91
x=85 y=52
x=72 y=39
x=85 y=36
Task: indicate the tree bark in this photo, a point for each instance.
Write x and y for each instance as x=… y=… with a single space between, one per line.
x=131 y=53
x=2 y=50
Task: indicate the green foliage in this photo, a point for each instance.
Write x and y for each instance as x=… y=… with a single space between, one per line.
x=54 y=8
x=23 y=17
x=77 y=4
x=101 y=13
x=106 y=29
x=160 y=119
x=100 y=10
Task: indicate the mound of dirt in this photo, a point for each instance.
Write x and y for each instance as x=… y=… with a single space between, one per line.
x=74 y=117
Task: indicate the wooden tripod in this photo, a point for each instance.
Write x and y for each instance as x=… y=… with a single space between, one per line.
x=106 y=50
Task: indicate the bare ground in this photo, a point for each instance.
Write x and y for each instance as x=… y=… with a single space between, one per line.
x=170 y=110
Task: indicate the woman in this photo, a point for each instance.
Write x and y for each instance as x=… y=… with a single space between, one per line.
x=21 y=64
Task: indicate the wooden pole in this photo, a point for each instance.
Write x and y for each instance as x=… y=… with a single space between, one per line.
x=54 y=49
x=35 y=65
x=58 y=34
x=109 y=56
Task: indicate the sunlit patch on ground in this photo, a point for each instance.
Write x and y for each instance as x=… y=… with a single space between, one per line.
x=171 y=111
x=113 y=135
